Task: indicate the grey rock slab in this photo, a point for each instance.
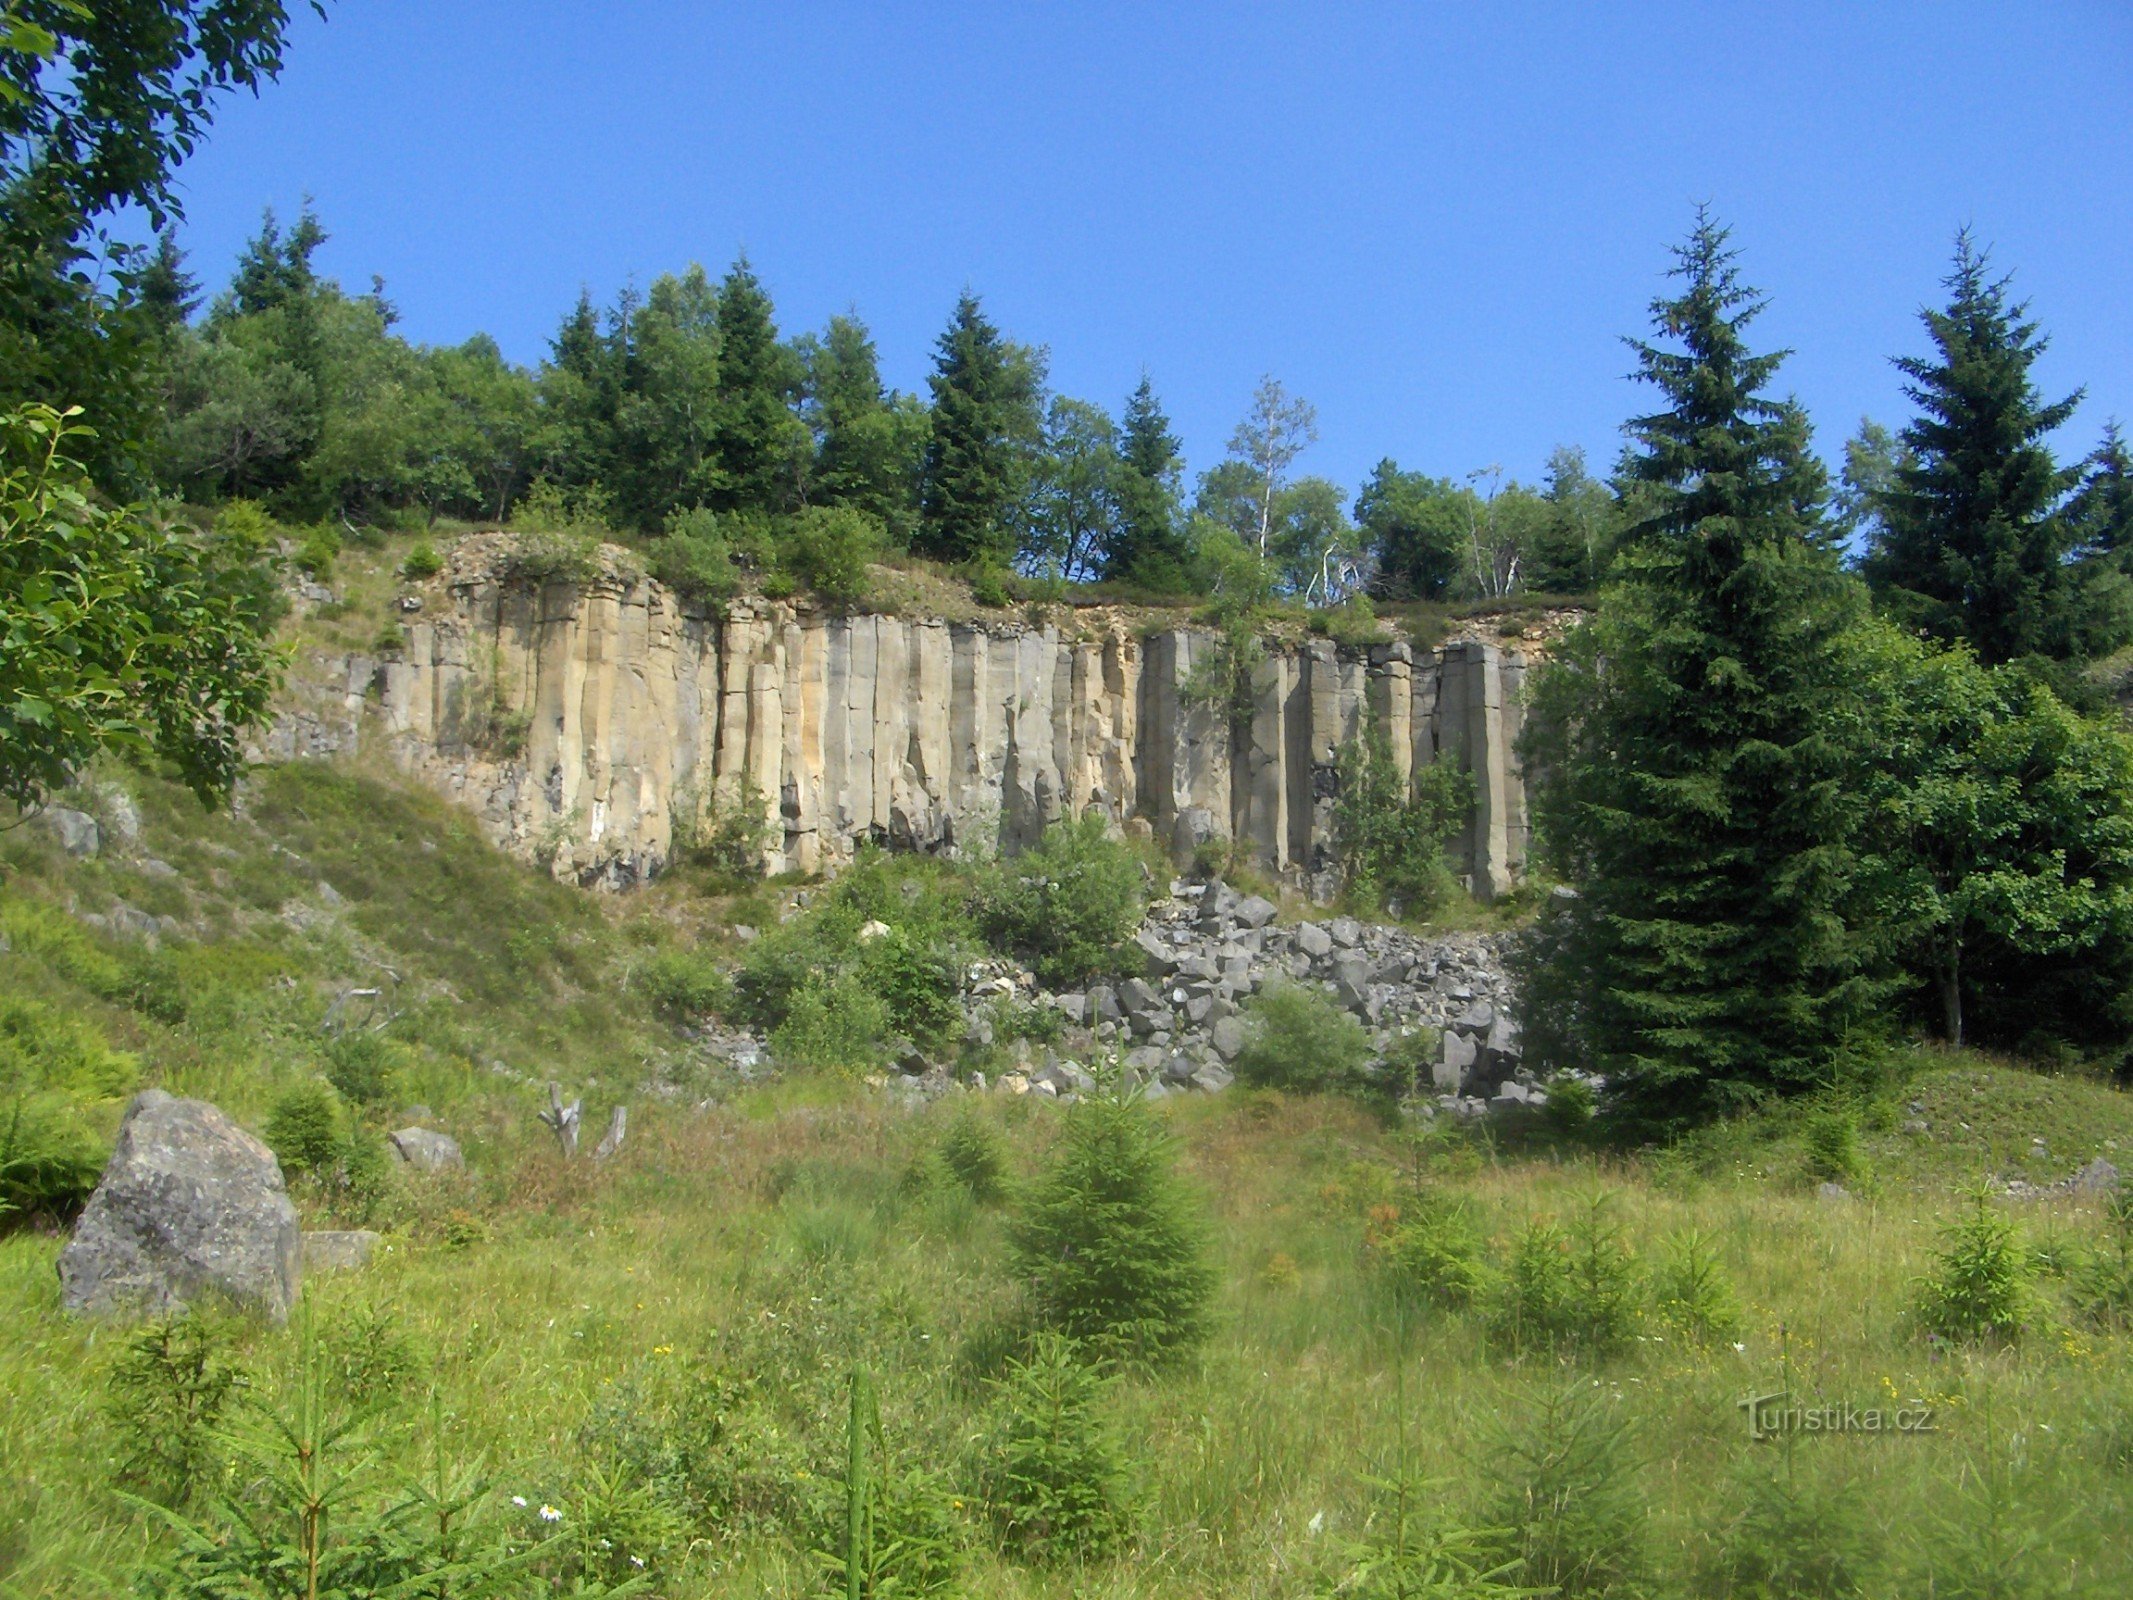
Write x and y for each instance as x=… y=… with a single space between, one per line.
x=427 y=1150
x=1346 y=932
x=340 y=1249
x=1257 y=911
x=78 y=833
x=1313 y=940
x=190 y=1204
x=1156 y=951
x=1228 y=1036
x=1213 y=1078
x=2097 y=1177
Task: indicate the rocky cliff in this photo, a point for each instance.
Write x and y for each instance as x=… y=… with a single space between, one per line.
x=586 y=721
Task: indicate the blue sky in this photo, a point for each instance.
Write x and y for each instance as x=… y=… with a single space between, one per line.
x=1434 y=222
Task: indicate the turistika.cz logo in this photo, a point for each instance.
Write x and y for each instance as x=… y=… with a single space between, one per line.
x=1772 y=1416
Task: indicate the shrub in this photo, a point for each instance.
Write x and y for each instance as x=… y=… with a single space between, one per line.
x=894 y=1534
x=971 y=1153
x=42 y=1048
x=167 y=1393
x=829 y=548
x=696 y=558
x=1390 y=827
x=988 y=586
x=1109 y=1241
x=360 y=1066
x=1573 y=1288
x=728 y=832
x=1981 y=1283
x=1068 y=904
x=1354 y=622
x=1051 y=1469
x=390 y=639
x=1564 y=1484
x=1570 y=1106
x=1830 y=1136
x=1436 y=1251
x=317 y=551
x=1691 y=1292
x=304 y=1128
x=915 y=970
x=685 y=983
x=422 y=562
x=50 y=1160
x=1796 y=1535
x=1402 y=1557
x=1298 y=1039
x=2103 y=1279
x=832 y=1022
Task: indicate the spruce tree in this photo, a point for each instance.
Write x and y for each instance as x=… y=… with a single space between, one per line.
x=868 y=444
x=985 y=424
x=2101 y=512
x=758 y=442
x=1147 y=540
x=1972 y=548
x=1687 y=747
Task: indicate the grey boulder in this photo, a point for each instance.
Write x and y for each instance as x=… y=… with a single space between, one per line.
x=78 y=833
x=189 y=1205
x=427 y=1150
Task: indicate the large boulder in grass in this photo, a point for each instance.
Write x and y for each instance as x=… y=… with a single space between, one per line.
x=427 y=1150
x=190 y=1205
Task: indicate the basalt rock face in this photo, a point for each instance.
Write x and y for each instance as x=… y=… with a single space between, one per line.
x=585 y=722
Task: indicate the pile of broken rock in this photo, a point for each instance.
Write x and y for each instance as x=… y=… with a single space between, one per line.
x=1205 y=950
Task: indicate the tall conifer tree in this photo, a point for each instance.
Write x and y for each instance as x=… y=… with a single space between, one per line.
x=1687 y=751
x=1146 y=540
x=1972 y=547
x=758 y=442
x=985 y=424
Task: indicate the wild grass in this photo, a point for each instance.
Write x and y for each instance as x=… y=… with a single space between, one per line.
x=661 y=1348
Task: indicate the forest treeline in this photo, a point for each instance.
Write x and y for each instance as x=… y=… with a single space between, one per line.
x=682 y=419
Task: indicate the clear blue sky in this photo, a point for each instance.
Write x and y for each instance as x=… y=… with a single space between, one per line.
x=1435 y=222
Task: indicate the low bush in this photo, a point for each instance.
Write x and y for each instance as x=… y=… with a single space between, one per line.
x=1692 y=1293
x=2102 y=1280
x=316 y=552
x=422 y=562
x=913 y=971
x=360 y=1066
x=833 y=1022
x=1298 y=1039
x=50 y=1158
x=828 y=548
x=1109 y=1242
x=167 y=1394
x=1797 y=1534
x=1562 y=1481
x=972 y=1154
x=1390 y=827
x=1051 y=1469
x=304 y=1128
x=686 y=984
x=1067 y=905
x=1435 y=1251
x=1571 y=1288
x=1830 y=1137
x=1981 y=1285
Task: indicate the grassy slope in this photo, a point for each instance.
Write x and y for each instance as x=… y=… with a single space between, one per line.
x=571 y=1321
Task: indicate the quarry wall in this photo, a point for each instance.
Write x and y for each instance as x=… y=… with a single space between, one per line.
x=582 y=720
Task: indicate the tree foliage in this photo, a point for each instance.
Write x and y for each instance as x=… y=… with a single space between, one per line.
x=122 y=631
x=1688 y=751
